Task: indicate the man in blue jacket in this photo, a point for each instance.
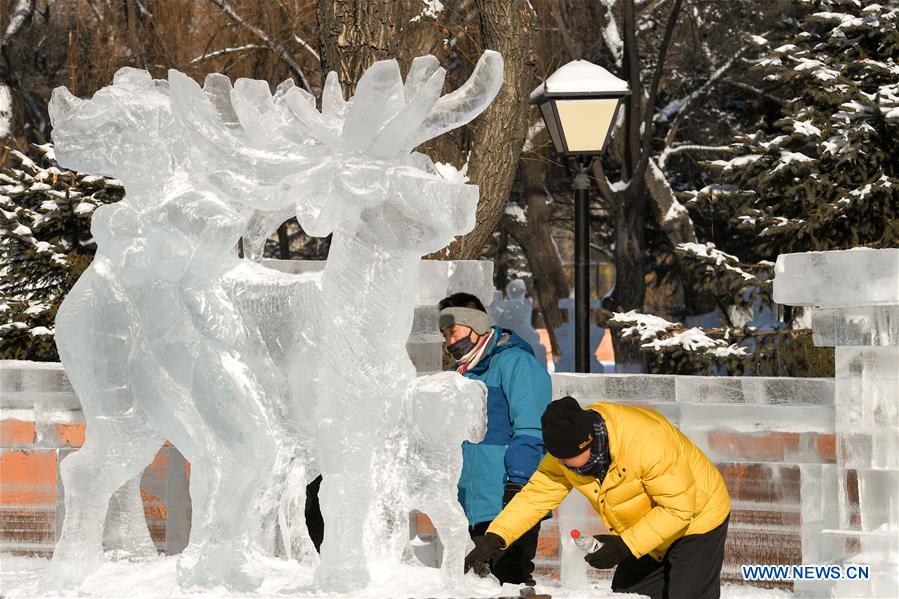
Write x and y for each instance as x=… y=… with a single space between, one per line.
x=518 y=391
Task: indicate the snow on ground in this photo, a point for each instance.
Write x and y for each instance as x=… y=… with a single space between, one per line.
x=156 y=579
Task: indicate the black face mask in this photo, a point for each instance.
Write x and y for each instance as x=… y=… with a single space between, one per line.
x=460 y=348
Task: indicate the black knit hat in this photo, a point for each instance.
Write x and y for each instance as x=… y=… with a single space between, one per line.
x=567 y=429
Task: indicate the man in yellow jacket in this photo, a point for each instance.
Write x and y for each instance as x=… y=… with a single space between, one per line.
x=661 y=498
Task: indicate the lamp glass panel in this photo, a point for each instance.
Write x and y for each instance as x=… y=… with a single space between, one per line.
x=586 y=122
x=549 y=118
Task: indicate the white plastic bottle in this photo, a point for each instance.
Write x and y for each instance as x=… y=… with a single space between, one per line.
x=587 y=543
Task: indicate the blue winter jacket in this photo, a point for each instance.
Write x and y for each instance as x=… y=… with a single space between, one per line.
x=518 y=391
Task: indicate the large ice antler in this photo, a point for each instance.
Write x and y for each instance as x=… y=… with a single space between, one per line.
x=388 y=117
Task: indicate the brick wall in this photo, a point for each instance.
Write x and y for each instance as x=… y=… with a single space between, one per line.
x=41 y=424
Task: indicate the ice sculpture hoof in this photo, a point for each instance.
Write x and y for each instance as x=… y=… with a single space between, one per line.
x=342 y=579
x=67 y=575
x=223 y=567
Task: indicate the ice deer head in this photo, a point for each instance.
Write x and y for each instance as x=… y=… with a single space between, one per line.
x=125 y=130
x=351 y=162
x=370 y=175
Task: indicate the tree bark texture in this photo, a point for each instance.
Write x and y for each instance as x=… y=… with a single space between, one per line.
x=506 y=26
x=630 y=285
x=535 y=238
x=354 y=34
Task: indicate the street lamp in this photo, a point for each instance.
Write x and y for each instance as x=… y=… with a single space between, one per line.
x=578 y=103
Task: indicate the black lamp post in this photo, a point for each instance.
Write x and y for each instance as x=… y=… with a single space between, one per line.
x=578 y=103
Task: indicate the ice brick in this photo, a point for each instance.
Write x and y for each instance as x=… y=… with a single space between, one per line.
x=22 y=376
x=756 y=418
x=754 y=390
x=867 y=407
x=857 y=277
x=878 y=549
x=855 y=325
x=820 y=511
x=876 y=449
x=615 y=388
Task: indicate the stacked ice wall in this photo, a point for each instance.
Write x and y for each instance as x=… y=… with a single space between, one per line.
x=850 y=511
x=761 y=433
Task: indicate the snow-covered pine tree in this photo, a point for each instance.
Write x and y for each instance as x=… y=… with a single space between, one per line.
x=45 y=245
x=819 y=173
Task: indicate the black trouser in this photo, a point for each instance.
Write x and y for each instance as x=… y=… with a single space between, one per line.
x=315 y=523
x=691 y=569
x=516 y=564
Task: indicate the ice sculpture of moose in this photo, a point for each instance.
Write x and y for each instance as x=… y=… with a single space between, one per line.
x=256 y=376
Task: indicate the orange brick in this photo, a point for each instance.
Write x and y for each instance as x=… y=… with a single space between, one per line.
x=763 y=448
x=827 y=447
x=69 y=435
x=548 y=545
x=27 y=477
x=16 y=433
x=154 y=507
x=424 y=526
x=159 y=467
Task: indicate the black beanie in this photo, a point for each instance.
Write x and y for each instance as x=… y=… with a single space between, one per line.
x=567 y=428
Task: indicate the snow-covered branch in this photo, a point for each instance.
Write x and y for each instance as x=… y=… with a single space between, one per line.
x=223 y=52
x=306 y=45
x=611 y=35
x=670 y=151
x=660 y=336
x=21 y=13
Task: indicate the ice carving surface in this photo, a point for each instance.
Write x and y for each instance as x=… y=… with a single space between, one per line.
x=422 y=462
x=514 y=313
x=262 y=379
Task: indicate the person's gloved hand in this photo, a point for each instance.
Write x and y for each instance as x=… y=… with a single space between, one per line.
x=510 y=489
x=613 y=550
x=485 y=549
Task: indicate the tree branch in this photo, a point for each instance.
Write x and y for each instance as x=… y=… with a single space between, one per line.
x=223 y=52
x=654 y=91
x=277 y=48
x=23 y=11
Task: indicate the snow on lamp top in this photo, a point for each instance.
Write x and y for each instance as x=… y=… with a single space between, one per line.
x=581 y=77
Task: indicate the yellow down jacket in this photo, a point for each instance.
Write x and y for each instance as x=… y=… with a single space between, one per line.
x=659 y=487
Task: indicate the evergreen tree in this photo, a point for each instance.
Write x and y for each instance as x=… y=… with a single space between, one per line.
x=45 y=245
x=819 y=173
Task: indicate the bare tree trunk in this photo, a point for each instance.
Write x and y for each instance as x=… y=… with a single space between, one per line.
x=501 y=276
x=355 y=34
x=630 y=209
x=630 y=285
x=536 y=240
x=506 y=27
x=283 y=242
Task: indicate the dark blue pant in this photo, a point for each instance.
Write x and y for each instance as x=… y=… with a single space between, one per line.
x=516 y=564
x=691 y=569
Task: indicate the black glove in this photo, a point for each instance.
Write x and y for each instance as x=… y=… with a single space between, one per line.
x=613 y=550
x=485 y=549
x=510 y=489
